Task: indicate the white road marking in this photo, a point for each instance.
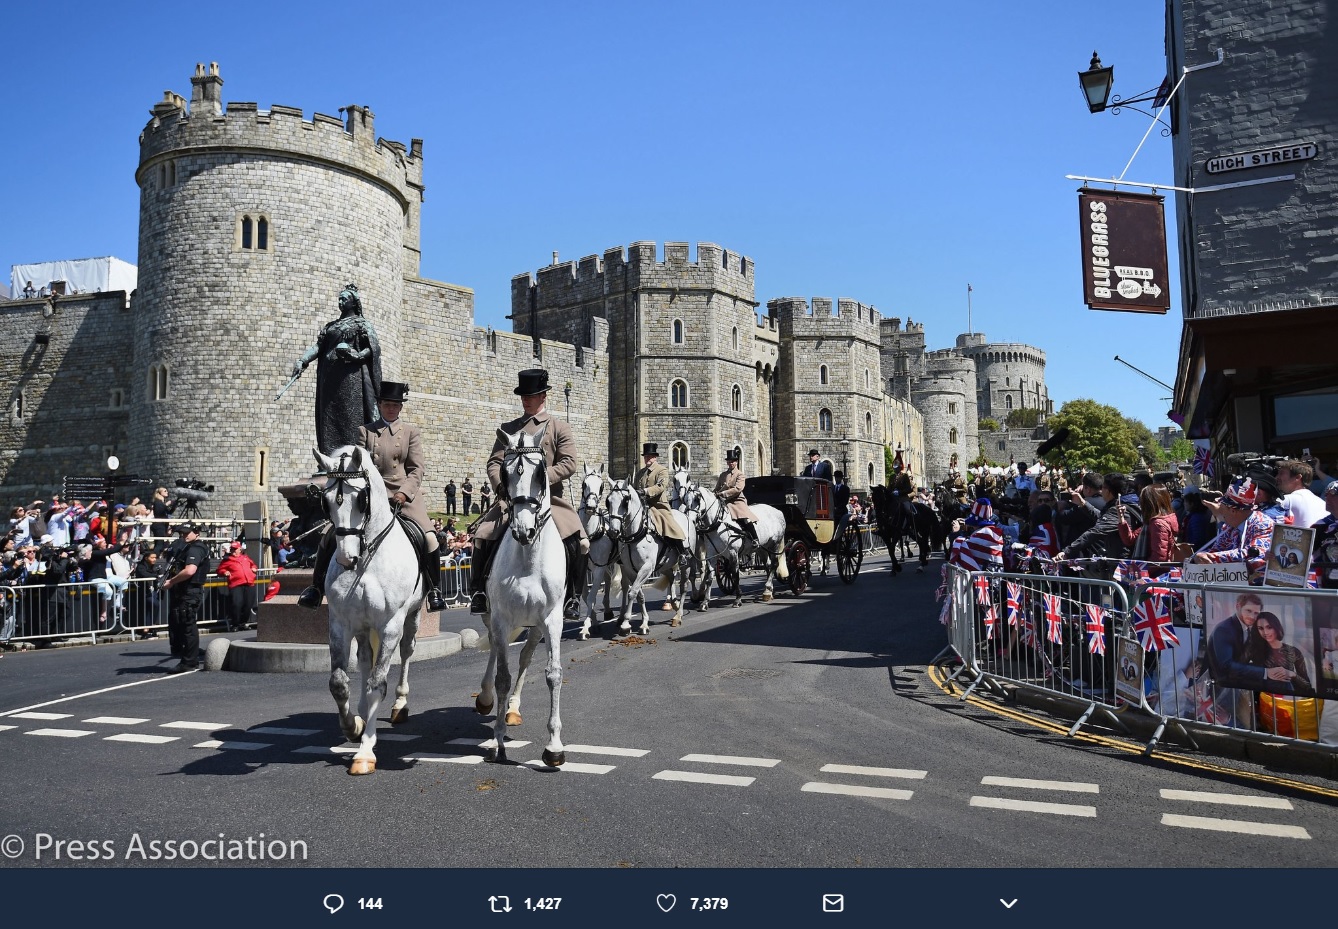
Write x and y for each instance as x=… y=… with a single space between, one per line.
x=733 y=759
x=117 y=720
x=61 y=733
x=1207 y=796
x=609 y=750
x=315 y=750
x=1233 y=825
x=873 y=772
x=448 y=759
x=488 y=743
x=394 y=736
x=856 y=790
x=698 y=778
x=3 y=728
x=237 y=746
x=280 y=730
x=1032 y=806
x=141 y=737
x=93 y=693
x=576 y=767
x=204 y=727
x=45 y=716
x=1040 y=785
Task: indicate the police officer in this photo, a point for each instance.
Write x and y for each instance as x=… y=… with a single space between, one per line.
x=185 y=583
x=560 y=456
x=450 y=498
x=397 y=453
x=653 y=481
x=466 y=493
x=729 y=488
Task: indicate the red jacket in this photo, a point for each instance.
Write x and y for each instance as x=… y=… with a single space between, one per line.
x=1161 y=532
x=238 y=568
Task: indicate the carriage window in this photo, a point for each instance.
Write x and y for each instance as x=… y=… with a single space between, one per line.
x=736 y=398
x=680 y=456
x=678 y=394
x=952 y=436
x=678 y=332
x=822 y=374
x=824 y=420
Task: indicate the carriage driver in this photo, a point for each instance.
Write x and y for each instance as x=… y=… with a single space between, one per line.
x=729 y=488
x=560 y=455
x=397 y=453
x=653 y=481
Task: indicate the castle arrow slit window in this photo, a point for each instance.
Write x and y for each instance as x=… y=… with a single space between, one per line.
x=822 y=374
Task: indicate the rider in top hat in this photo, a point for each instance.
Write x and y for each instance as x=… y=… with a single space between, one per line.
x=560 y=455
x=729 y=488
x=397 y=453
x=653 y=480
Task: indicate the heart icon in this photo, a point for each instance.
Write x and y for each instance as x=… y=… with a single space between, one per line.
x=666 y=902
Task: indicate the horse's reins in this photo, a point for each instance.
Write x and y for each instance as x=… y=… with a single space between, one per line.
x=365 y=549
x=545 y=513
x=713 y=525
x=601 y=520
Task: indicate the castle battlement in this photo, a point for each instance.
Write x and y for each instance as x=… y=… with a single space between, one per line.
x=824 y=318
x=892 y=325
x=204 y=128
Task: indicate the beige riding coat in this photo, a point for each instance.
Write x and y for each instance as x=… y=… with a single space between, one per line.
x=653 y=481
x=729 y=488
x=560 y=455
x=397 y=453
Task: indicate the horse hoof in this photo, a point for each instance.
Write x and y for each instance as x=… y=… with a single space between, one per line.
x=399 y=715
x=666 y=607
x=675 y=622
x=555 y=759
x=362 y=766
x=482 y=708
x=766 y=596
x=497 y=756
x=513 y=718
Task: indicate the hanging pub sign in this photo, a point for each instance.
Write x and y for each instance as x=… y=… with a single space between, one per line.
x=1124 y=251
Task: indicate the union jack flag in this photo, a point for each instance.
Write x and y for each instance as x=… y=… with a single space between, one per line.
x=990 y=619
x=944 y=617
x=983 y=590
x=1203 y=462
x=1054 y=621
x=1153 y=625
x=1132 y=572
x=1096 y=629
x=1014 y=602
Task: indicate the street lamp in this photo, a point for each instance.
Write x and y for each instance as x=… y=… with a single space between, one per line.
x=566 y=391
x=1096 y=82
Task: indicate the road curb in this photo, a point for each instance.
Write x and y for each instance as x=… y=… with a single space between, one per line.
x=248 y=656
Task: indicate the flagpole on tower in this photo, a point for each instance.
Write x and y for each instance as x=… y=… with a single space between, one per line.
x=969 y=329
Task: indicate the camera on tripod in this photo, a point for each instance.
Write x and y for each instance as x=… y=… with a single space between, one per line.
x=190 y=494
x=1243 y=464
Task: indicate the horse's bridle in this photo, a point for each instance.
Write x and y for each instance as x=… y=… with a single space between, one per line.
x=517 y=455
x=617 y=534
x=342 y=477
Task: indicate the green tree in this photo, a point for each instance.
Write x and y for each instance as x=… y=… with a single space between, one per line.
x=1100 y=438
x=889 y=458
x=1182 y=451
x=989 y=424
x=1153 y=453
x=1024 y=417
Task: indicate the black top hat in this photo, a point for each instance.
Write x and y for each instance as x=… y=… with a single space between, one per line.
x=650 y=448
x=812 y=451
x=532 y=381
x=394 y=391
x=731 y=454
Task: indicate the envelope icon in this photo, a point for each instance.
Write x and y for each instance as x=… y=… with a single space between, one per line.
x=833 y=903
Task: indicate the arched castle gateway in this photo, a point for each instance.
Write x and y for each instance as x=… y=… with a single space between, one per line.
x=251 y=220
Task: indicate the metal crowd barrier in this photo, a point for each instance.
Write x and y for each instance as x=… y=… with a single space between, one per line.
x=1037 y=632
x=454 y=579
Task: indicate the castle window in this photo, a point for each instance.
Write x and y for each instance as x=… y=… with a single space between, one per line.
x=171 y=174
x=952 y=436
x=1008 y=382
x=868 y=425
x=158 y=382
x=679 y=455
x=162 y=176
x=743 y=266
x=246 y=232
x=952 y=408
x=867 y=382
x=262 y=234
x=736 y=399
x=871 y=474
x=253 y=233
x=262 y=466
x=678 y=332
x=1003 y=446
x=735 y=337
x=117 y=399
x=16 y=408
x=1008 y=401
x=824 y=420
x=724 y=260
x=822 y=374
x=678 y=394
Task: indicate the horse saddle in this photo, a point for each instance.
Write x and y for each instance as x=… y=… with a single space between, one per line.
x=415 y=533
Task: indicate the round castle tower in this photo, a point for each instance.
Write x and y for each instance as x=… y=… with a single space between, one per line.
x=945 y=396
x=250 y=224
x=1009 y=375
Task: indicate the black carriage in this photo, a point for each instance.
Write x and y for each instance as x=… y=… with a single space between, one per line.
x=811 y=524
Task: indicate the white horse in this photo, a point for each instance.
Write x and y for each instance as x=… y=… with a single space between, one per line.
x=605 y=567
x=374 y=590
x=629 y=524
x=686 y=501
x=722 y=538
x=525 y=593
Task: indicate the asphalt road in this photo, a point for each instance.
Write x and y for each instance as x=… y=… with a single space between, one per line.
x=796 y=734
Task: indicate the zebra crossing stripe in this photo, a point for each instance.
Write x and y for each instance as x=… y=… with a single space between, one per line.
x=232 y=746
x=694 y=777
x=575 y=767
x=488 y=743
x=873 y=772
x=280 y=730
x=4 y=728
x=62 y=733
x=42 y=716
x=446 y=759
x=1028 y=783
x=733 y=759
x=1033 y=806
x=116 y=720
x=1233 y=825
x=141 y=738
x=1207 y=796
x=608 y=750
x=857 y=790
x=203 y=727
x=394 y=736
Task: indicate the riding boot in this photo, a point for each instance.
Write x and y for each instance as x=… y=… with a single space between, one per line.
x=431 y=567
x=749 y=529
x=576 y=565
x=312 y=596
x=480 y=564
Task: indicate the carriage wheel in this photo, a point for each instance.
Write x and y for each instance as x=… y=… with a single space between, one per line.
x=727 y=575
x=849 y=554
x=796 y=558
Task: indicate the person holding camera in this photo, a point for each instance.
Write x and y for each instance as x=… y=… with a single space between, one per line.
x=185 y=583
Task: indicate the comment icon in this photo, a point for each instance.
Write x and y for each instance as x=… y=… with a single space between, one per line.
x=333 y=902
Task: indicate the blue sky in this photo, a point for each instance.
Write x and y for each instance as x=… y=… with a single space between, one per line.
x=892 y=152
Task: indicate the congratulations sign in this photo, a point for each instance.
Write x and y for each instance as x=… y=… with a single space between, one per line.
x=1124 y=251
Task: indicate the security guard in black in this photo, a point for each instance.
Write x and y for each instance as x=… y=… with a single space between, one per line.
x=185 y=584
